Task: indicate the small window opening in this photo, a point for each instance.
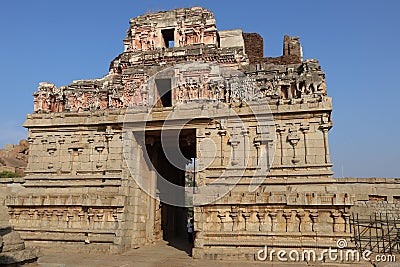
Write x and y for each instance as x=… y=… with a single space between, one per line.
x=168 y=36
x=164 y=91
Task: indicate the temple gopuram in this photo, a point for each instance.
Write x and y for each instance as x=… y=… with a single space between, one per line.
x=108 y=157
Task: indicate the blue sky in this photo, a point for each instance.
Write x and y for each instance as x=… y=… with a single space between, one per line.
x=355 y=41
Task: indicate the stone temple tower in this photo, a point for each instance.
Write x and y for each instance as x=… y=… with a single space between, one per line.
x=107 y=156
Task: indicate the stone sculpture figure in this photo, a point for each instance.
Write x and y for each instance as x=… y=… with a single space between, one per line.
x=43 y=97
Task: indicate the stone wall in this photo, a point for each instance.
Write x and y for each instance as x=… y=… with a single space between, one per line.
x=13 y=251
x=282 y=60
x=5 y=190
x=374 y=196
x=78 y=190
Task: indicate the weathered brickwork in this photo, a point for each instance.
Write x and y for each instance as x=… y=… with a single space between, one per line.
x=254 y=46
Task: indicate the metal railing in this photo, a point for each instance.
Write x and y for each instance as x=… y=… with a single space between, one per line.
x=379 y=233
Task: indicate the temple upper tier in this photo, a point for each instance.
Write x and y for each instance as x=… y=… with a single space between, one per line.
x=176 y=28
x=155 y=41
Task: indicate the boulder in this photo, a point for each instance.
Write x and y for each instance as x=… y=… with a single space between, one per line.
x=13 y=251
x=8 y=148
x=12 y=242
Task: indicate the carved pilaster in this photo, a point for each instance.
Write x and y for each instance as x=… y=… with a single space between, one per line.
x=70 y=218
x=262 y=222
x=90 y=216
x=314 y=218
x=234 y=144
x=301 y=215
x=245 y=134
x=274 y=221
x=246 y=216
x=288 y=222
x=235 y=219
x=280 y=131
x=222 y=217
x=293 y=138
x=346 y=217
x=222 y=134
x=335 y=215
x=263 y=146
x=109 y=136
x=325 y=128
x=31 y=213
x=257 y=145
x=305 y=129
x=40 y=214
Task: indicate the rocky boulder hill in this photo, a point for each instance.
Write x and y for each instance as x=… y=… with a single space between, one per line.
x=14 y=158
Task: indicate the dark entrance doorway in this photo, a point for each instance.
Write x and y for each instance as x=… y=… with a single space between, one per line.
x=170 y=161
